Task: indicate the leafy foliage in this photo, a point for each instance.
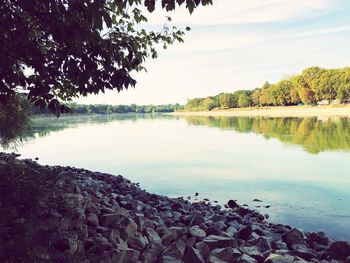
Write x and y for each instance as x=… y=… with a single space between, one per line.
x=55 y=50
x=312 y=86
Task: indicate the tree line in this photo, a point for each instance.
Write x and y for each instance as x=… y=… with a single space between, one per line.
x=110 y=109
x=314 y=85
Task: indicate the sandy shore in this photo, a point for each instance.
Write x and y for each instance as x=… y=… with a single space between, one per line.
x=290 y=111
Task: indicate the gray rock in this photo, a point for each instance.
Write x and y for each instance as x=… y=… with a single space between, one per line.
x=247 y=259
x=171 y=234
x=263 y=244
x=176 y=250
x=124 y=256
x=152 y=236
x=203 y=248
x=276 y=258
x=92 y=219
x=197 y=232
x=102 y=243
x=223 y=255
x=109 y=219
x=245 y=232
x=137 y=242
x=197 y=219
x=339 y=250
x=252 y=252
x=151 y=253
x=293 y=236
x=214 y=242
x=231 y=231
x=193 y=255
x=303 y=251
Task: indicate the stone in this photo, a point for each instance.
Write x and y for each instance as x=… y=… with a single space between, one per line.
x=197 y=232
x=137 y=242
x=302 y=251
x=152 y=236
x=319 y=238
x=252 y=252
x=176 y=250
x=203 y=248
x=231 y=231
x=109 y=219
x=124 y=256
x=293 y=236
x=222 y=255
x=102 y=243
x=214 y=242
x=339 y=250
x=247 y=259
x=193 y=255
x=245 y=232
x=263 y=244
x=151 y=253
x=92 y=219
x=276 y=258
x=197 y=219
x=232 y=204
x=171 y=234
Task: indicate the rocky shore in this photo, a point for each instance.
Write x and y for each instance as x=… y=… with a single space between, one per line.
x=65 y=214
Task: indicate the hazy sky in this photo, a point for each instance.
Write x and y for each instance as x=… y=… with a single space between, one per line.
x=239 y=44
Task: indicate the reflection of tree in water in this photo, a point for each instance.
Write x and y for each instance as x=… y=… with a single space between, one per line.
x=312 y=134
x=44 y=125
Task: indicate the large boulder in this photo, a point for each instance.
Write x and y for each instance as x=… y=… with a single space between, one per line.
x=193 y=255
x=214 y=241
x=339 y=250
x=293 y=236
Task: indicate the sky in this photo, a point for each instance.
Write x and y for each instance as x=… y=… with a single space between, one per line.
x=239 y=44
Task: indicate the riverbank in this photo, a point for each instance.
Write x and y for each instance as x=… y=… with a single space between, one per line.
x=288 y=111
x=65 y=214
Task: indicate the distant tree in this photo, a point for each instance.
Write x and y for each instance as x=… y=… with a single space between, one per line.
x=56 y=50
x=255 y=97
x=243 y=100
x=226 y=100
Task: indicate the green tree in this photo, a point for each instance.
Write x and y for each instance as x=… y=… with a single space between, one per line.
x=56 y=50
x=243 y=100
x=226 y=100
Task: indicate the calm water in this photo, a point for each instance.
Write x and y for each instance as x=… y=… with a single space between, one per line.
x=301 y=167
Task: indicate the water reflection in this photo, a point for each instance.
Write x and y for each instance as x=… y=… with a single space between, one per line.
x=313 y=134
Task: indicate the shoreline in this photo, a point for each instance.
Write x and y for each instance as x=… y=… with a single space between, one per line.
x=57 y=213
x=276 y=111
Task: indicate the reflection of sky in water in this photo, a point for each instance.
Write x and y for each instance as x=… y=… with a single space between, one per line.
x=170 y=157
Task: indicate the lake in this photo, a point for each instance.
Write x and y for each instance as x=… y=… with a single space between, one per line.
x=299 y=167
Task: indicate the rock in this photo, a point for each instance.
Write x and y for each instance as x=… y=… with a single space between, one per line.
x=232 y=204
x=231 y=231
x=109 y=219
x=197 y=232
x=339 y=250
x=280 y=245
x=275 y=258
x=92 y=219
x=347 y=259
x=176 y=250
x=152 y=236
x=203 y=248
x=302 y=251
x=245 y=232
x=319 y=238
x=138 y=242
x=247 y=259
x=223 y=255
x=171 y=234
x=151 y=253
x=252 y=252
x=102 y=243
x=214 y=242
x=124 y=256
x=263 y=244
x=193 y=255
x=293 y=236
x=196 y=219
x=257 y=200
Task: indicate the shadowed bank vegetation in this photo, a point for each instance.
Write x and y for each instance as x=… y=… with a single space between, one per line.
x=313 y=86
x=313 y=135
